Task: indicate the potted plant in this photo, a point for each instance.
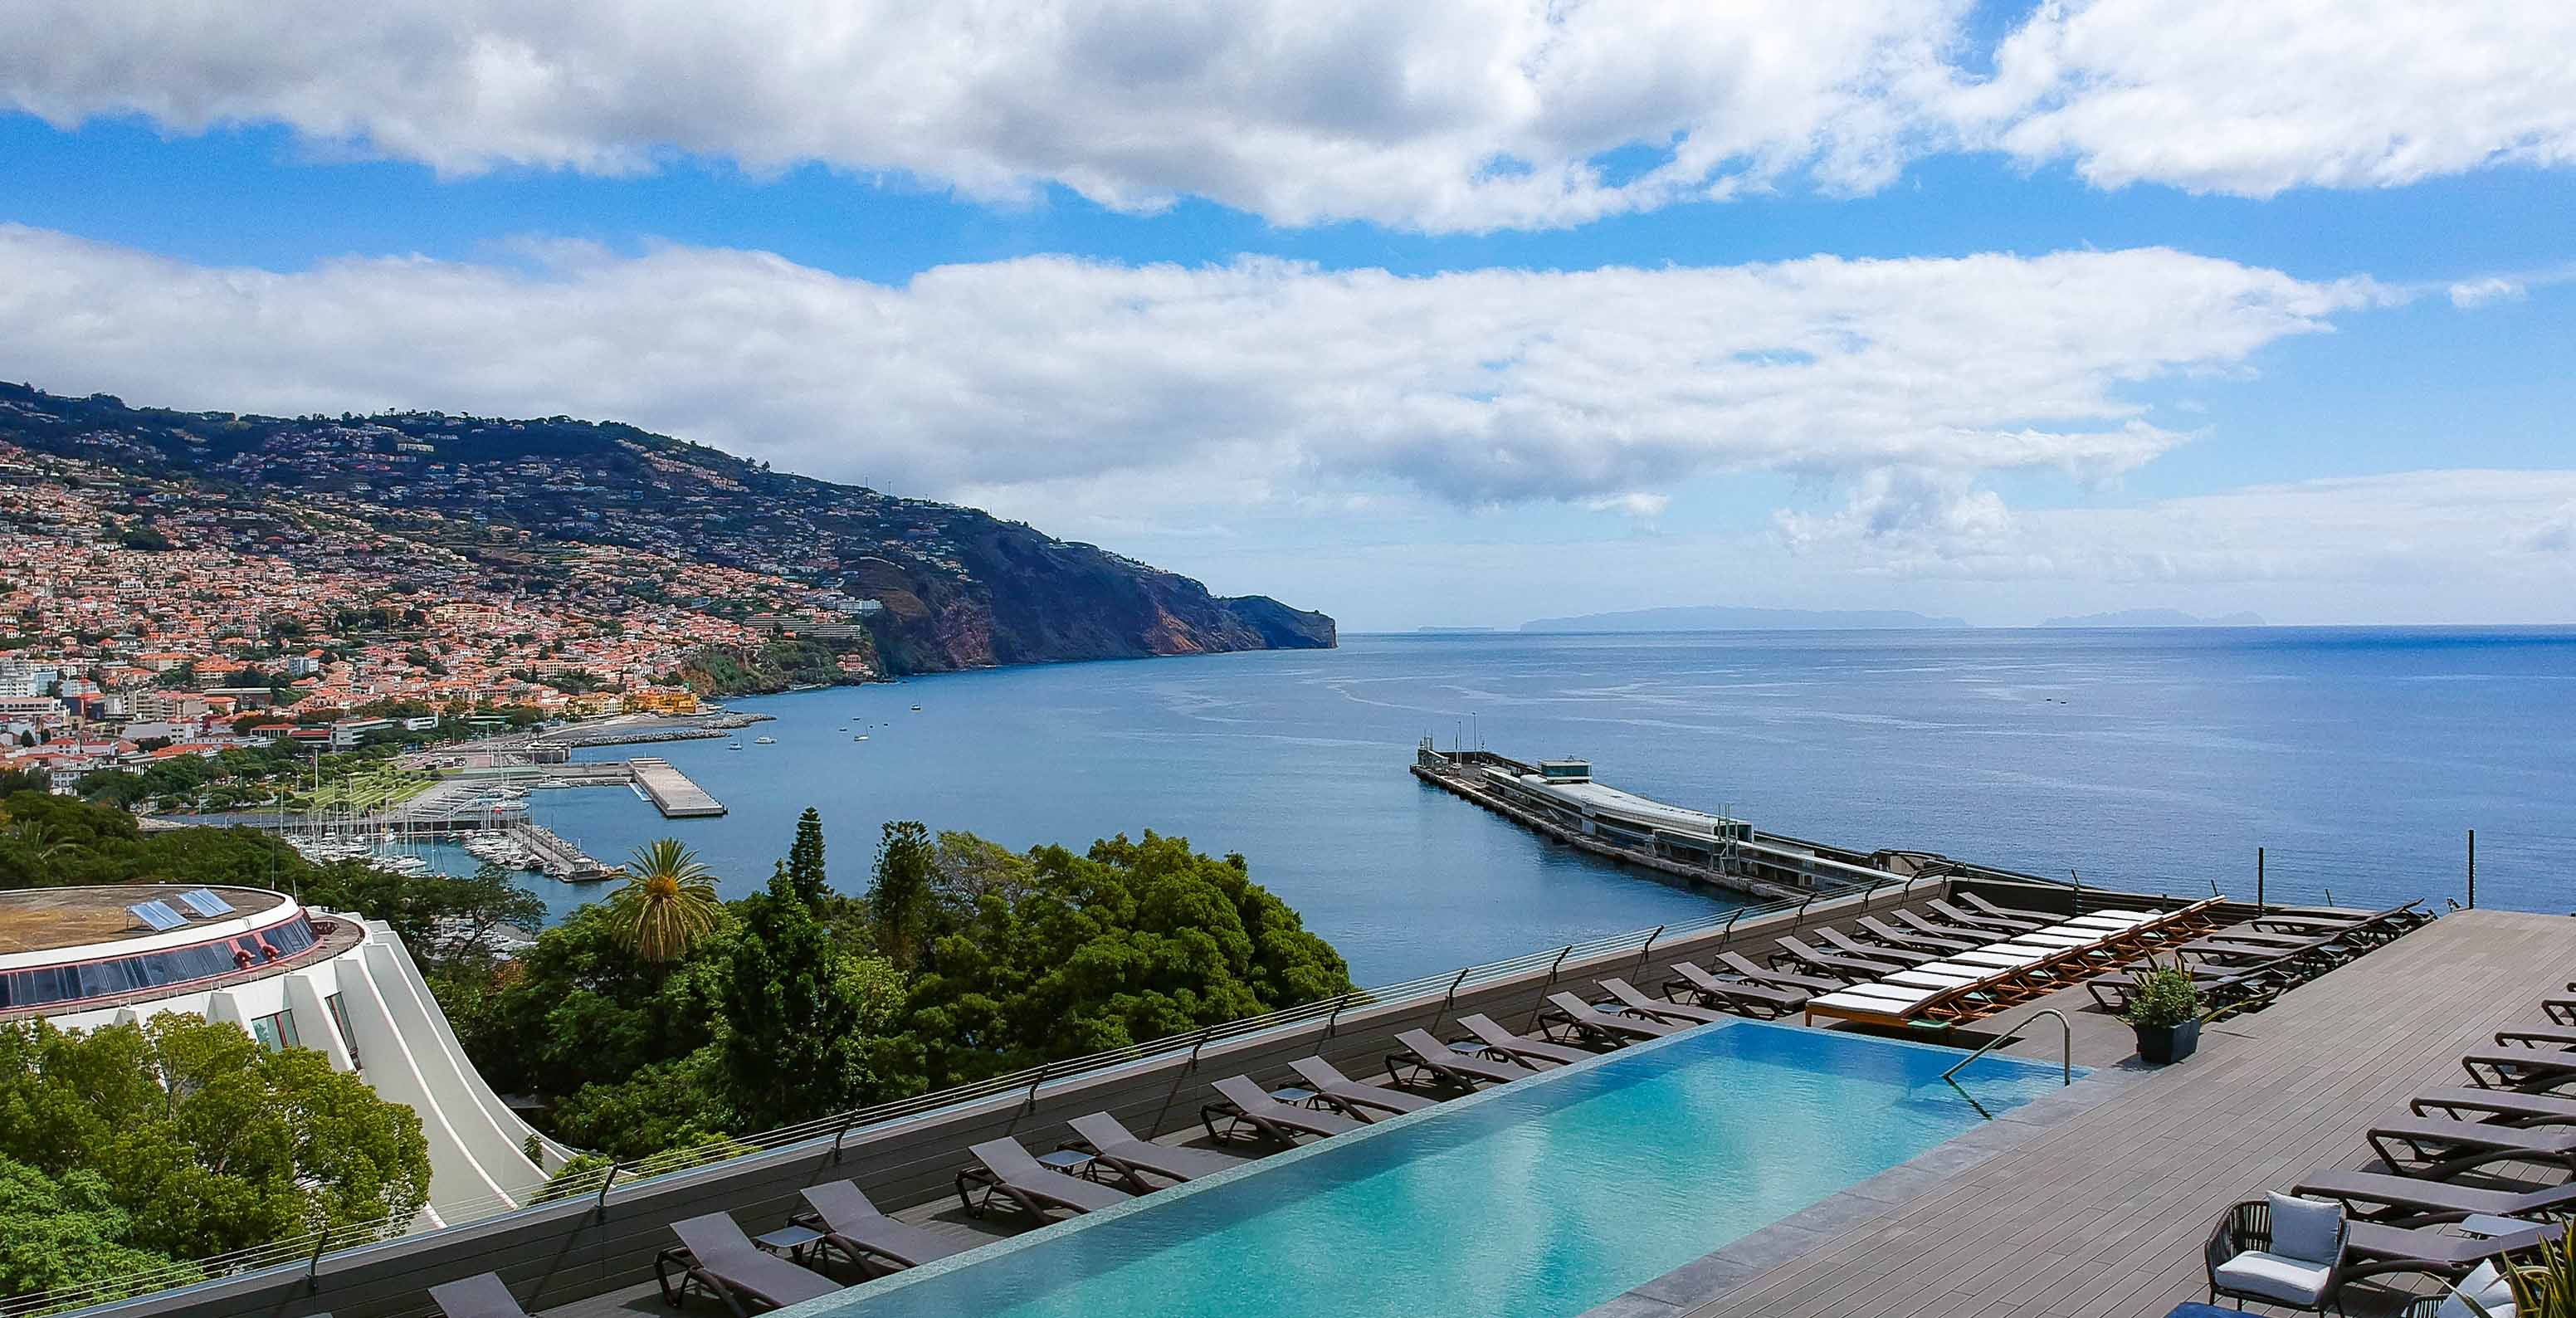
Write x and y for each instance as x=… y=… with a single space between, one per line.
x=2164 y=1009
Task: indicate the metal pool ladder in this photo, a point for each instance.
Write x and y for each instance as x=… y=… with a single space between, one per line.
x=2066 y=1060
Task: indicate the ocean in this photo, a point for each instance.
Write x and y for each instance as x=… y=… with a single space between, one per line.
x=2155 y=759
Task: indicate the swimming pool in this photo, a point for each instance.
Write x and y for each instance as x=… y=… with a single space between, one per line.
x=1541 y=1198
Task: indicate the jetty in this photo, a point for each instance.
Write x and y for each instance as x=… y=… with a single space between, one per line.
x=1559 y=800
x=671 y=792
x=557 y=858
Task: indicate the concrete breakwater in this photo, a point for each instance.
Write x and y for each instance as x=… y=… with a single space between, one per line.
x=671 y=791
x=1558 y=799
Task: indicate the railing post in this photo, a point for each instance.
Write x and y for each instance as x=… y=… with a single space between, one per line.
x=2079 y=891
x=1450 y=1002
x=2473 y=869
x=2260 y=907
x=313 y=1265
x=599 y=1206
x=1647 y=953
x=846 y=1123
x=1333 y=1021
x=1030 y=1103
x=1561 y=954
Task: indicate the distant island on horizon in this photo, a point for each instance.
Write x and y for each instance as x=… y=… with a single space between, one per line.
x=2156 y=618
x=1721 y=617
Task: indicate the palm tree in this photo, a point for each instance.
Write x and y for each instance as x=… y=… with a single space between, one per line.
x=667 y=902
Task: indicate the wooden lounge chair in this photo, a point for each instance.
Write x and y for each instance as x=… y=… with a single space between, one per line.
x=481 y=1296
x=716 y=1257
x=1745 y=967
x=1005 y=1170
x=1592 y=1023
x=1520 y=1047
x=1768 y=1001
x=853 y=1228
x=1245 y=1105
x=1363 y=1101
x=1980 y=920
x=1113 y=1146
x=1427 y=1056
x=2440 y=1147
x=1853 y=947
x=2520 y=1068
x=1853 y=969
x=2413 y=1198
x=1637 y=1002
x=2511 y=1107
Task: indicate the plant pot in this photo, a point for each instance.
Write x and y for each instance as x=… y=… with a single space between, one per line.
x=2162 y=1044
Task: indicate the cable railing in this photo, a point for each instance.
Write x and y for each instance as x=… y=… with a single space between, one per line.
x=311 y=1248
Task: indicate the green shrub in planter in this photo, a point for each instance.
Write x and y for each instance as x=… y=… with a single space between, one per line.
x=2164 y=1009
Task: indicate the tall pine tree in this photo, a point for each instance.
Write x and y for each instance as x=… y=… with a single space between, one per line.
x=801 y=1014
x=805 y=860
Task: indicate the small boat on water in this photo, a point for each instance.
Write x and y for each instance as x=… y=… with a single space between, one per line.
x=916 y=709
x=733 y=746
x=764 y=741
x=859 y=737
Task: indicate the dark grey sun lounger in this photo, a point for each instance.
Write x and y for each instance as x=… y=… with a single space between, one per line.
x=1855 y=969
x=2537 y=1036
x=2520 y=1068
x=2380 y=1247
x=1600 y=1026
x=715 y=1256
x=1451 y=1067
x=854 y=1228
x=1960 y=934
x=1636 y=1000
x=1768 y=1000
x=1359 y=1099
x=2439 y=1146
x=2415 y=1197
x=2009 y=913
x=1740 y=964
x=1118 y=1149
x=476 y=1297
x=1243 y=1103
x=1519 y=1047
x=1003 y=1169
x=2509 y=1106
x=1853 y=947
x=1980 y=920
x=1883 y=934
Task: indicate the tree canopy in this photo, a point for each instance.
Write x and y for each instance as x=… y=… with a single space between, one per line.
x=201 y=1140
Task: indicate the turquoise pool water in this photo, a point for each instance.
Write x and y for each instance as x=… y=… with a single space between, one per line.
x=1538 y=1199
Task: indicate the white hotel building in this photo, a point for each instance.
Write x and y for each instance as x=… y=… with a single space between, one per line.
x=89 y=957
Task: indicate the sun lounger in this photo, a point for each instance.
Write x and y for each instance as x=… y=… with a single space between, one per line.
x=1245 y=1104
x=2505 y=1105
x=854 y=1228
x=2537 y=1036
x=1429 y=1056
x=480 y=1296
x=1981 y=920
x=2377 y=1247
x=1636 y=1000
x=2561 y=1010
x=1888 y=935
x=2411 y=1197
x=1767 y=1000
x=1972 y=935
x=1365 y=1102
x=1984 y=907
x=1592 y=1023
x=2114 y=989
x=1794 y=951
x=1745 y=967
x=2520 y=1068
x=1520 y=1047
x=716 y=1257
x=2377 y=927
x=1853 y=947
x=1113 y=1146
x=2439 y=1146
x=1005 y=1170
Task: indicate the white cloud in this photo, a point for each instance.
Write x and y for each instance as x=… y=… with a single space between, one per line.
x=1465 y=115
x=1030 y=382
x=2254 y=99
x=2472 y=293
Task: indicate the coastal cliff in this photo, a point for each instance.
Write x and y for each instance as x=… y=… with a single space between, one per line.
x=959 y=587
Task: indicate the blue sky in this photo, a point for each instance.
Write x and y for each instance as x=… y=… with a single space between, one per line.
x=1420 y=318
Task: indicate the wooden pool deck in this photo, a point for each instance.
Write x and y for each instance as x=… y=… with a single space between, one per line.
x=2101 y=1212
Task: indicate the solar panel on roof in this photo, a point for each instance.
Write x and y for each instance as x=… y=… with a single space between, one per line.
x=204 y=902
x=158 y=915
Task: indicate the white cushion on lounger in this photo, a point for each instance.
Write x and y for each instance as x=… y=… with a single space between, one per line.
x=2102 y=922
x=1986 y=956
x=1928 y=980
x=2486 y=1286
x=1860 y=1002
x=2135 y=915
x=1957 y=968
x=2060 y=942
x=2031 y=950
x=1886 y=992
x=2275 y=1278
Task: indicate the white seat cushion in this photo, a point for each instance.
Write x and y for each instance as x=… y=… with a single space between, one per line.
x=2274 y=1278
x=1999 y=960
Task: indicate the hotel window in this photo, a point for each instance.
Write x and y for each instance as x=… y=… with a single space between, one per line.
x=340 y=1021
x=276 y=1033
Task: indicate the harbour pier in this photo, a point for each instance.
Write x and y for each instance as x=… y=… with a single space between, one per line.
x=671 y=792
x=1559 y=800
x=557 y=858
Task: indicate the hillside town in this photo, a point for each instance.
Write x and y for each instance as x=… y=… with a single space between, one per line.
x=143 y=619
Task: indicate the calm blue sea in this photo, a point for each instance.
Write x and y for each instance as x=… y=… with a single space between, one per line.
x=2156 y=758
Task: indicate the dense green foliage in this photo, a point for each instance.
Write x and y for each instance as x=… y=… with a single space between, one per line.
x=2163 y=997
x=202 y=1141
x=964 y=960
x=775 y=666
x=69 y=1231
